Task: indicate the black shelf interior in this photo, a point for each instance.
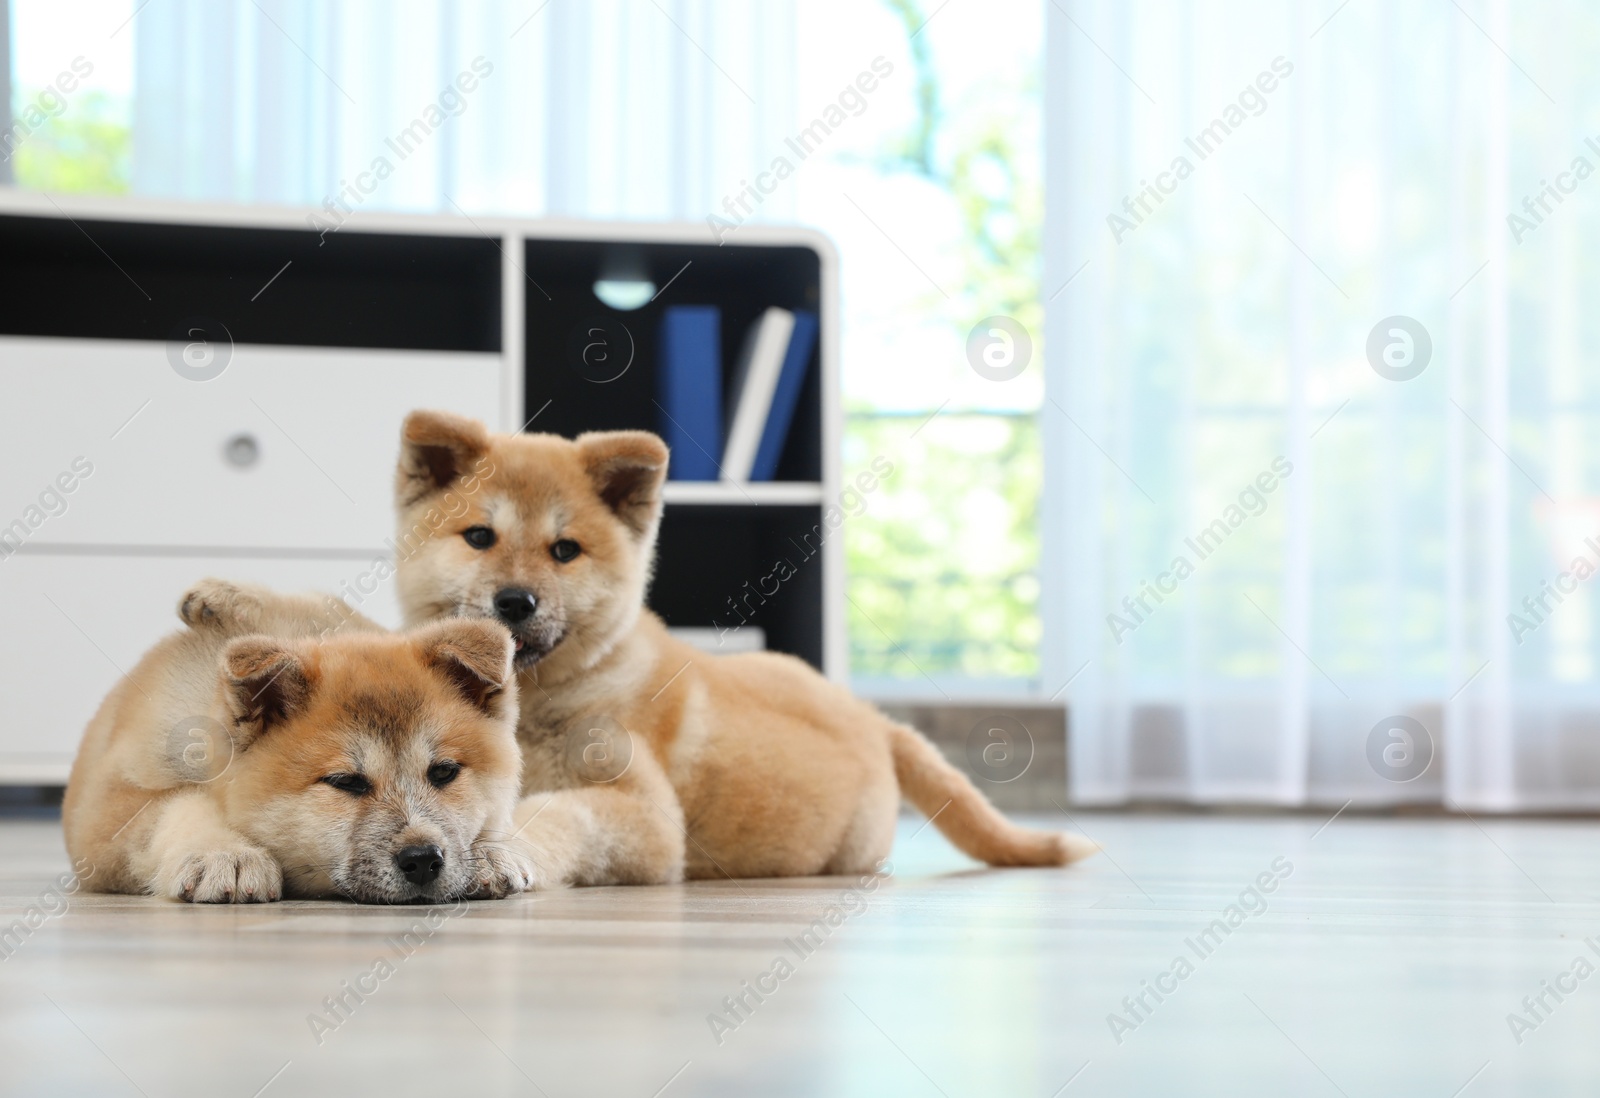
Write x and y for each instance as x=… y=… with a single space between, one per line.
x=145 y=280
x=708 y=554
x=562 y=309
x=716 y=564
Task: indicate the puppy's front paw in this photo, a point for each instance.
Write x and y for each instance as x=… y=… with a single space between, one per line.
x=218 y=604
x=502 y=869
x=244 y=876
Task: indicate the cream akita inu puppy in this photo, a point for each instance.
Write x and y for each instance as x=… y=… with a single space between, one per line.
x=253 y=755
x=646 y=760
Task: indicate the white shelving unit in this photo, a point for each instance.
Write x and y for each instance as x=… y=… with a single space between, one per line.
x=355 y=328
x=773 y=493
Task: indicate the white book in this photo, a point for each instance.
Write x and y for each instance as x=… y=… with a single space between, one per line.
x=746 y=638
x=755 y=379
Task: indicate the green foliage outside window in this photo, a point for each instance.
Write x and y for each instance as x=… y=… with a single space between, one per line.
x=943 y=563
x=86 y=149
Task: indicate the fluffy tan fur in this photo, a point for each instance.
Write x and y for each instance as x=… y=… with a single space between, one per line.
x=202 y=775
x=645 y=760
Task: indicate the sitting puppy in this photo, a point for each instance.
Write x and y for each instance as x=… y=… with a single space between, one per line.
x=646 y=760
x=284 y=745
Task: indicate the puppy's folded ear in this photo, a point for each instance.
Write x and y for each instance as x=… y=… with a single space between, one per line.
x=436 y=450
x=474 y=656
x=627 y=469
x=265 y=682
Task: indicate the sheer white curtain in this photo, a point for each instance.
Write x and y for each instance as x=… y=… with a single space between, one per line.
x=1213 y=288
x=570 y=108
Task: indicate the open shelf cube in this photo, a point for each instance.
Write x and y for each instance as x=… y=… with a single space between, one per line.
x=731 y=554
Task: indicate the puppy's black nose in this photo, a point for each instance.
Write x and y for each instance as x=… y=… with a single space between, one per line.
x=420 y=864
x=515 y=605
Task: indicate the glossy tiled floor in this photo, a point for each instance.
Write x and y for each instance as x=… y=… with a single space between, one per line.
x=1386 y=962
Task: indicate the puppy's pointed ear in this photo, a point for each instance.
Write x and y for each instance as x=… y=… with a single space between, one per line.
x=474 y=656
x=436 y=450
x=265 y=682
x=627 y=469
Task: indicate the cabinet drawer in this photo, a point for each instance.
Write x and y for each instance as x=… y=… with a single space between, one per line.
x=74 y=623
x=287 y=447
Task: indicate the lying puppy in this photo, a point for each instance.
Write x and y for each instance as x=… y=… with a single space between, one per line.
x=284 y=745
x=645 y=760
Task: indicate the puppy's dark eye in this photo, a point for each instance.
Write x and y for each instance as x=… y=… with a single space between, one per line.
x=479 y=537
x=442 y=774
x=355 y=784
x=565 y=549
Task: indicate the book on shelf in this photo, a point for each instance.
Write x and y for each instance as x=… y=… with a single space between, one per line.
x=726 y=642
x=689 y=389
x=786 y=397
x=766 y=390
x=755 y=381
x=749 y=432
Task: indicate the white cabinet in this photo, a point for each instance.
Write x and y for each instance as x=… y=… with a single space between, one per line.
x=278 y=471
x=76 y=623
x=290 y=447
x=126 y=474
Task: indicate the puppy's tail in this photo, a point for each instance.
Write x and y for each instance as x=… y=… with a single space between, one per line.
x=966 y=817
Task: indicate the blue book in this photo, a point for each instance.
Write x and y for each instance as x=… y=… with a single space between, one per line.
x=689 y=387
x=796 y=361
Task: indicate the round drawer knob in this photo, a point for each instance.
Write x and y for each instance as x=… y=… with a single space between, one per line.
x=242 y=451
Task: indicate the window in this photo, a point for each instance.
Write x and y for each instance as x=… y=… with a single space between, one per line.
x=71 y=96
x=934 y=194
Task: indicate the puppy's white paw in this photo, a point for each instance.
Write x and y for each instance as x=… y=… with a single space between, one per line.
x=214 y=603
x=502 y=869
x=243 y=876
